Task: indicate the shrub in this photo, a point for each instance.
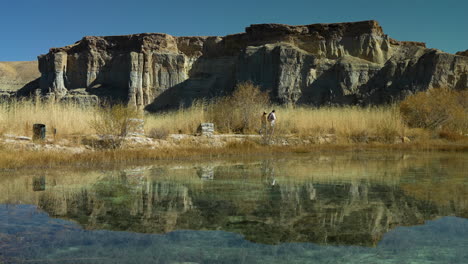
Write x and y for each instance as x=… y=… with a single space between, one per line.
x=106 y=142
x=437 y=109
x=113 y=120
x=449 y=135
x=241 y=111
x=359 y=136
x=158 y=133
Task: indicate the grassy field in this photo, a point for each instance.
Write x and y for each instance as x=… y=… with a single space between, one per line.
x=345 y=122
x=17 y=118
x=421 y=122
x=440 y=112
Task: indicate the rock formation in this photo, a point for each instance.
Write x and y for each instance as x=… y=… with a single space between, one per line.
x=462 y=53
x=342 y=63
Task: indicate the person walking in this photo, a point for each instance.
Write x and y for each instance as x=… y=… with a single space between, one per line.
x=272 y=119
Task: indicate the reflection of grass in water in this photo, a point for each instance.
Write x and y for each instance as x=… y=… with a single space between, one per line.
x=236 y=186
x=442 y=182
x=333 y=167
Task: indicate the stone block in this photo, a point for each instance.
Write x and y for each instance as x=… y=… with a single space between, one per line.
x=135 y=127
x=206 y=129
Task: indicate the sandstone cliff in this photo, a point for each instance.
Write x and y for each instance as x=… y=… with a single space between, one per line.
x=343 y=63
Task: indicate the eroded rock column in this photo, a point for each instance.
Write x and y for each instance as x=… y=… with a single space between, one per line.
x=135 y=85
x=147 y=80
x=53 y=67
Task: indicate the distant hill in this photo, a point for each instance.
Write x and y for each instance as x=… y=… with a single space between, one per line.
x=14 y=75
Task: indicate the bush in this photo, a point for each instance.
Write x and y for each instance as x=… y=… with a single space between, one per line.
x=241 y=111
x=114 y=120
x=449 y=135
x=437 y=109
x=106 y=142
x=158 y=133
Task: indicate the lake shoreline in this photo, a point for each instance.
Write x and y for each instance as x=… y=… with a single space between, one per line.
x=17 y=152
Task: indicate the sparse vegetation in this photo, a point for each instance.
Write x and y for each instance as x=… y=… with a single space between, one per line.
x=440 y=109
x=427 y=120
x=158 y=133
x=241 y=111
x=113 y=120
x=18 y=116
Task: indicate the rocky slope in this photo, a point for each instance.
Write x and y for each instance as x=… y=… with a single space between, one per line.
x=343 y=63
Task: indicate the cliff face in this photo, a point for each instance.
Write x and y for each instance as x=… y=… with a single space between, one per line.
x=343 y=63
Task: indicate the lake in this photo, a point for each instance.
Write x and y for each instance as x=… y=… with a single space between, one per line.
x=346 y=207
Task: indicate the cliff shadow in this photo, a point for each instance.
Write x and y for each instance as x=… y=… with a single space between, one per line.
x=325 y=90
x=204 y=82
x=108 y=93
x=391 y=83
x=29 y=89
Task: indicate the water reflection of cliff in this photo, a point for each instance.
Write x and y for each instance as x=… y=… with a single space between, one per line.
x=266 y=202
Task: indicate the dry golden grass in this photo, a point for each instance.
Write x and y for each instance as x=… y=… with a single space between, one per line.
x=345 y=122
x=349 y=124
x=18 y=116
x=241 y=113
x=184 y=120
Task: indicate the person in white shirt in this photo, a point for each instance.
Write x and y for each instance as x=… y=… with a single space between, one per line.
x=272 y=118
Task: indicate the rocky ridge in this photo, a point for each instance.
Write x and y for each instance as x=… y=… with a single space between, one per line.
x=341 y=63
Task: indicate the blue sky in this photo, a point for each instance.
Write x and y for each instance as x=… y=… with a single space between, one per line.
x=30 y=27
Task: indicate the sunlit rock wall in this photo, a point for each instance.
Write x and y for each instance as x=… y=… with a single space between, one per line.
x=342 y=63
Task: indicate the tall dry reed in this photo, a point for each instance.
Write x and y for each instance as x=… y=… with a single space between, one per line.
x=18 y=116
x=348 y=122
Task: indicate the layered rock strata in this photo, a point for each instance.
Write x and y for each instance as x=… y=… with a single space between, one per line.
x=343 y=63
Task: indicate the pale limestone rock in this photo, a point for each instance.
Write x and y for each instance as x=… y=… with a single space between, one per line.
x=206 y=129
x=318 y=64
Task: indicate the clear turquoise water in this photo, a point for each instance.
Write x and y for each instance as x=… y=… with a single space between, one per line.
x=359 y=208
